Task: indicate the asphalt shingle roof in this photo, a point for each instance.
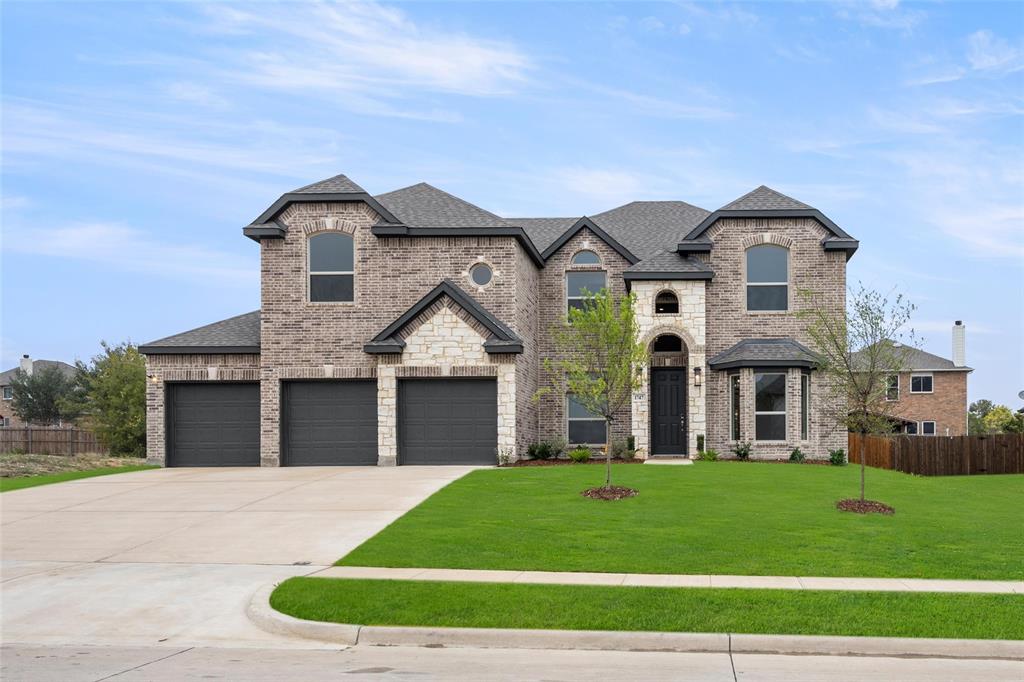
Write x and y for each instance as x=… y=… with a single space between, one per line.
x=37 y=365
x=764 y=199
x=543 y=231
x=669 y=261
x=647 y=227
x=915 y=359
x=339 y=184
x=764 y=352
x=425 y=206
x=241 y=331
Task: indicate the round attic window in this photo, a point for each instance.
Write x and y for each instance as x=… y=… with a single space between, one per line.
x=480 y=274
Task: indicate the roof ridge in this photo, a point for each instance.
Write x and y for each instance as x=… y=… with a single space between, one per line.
x=764 y=188
x=338 y=176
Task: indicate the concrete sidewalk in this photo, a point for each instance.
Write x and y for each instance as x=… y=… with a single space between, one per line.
x=660 y=580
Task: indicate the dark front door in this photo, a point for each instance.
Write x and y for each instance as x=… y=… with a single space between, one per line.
x=447 y=421
x=213 y=425
x=668 y=410
x=329 y=423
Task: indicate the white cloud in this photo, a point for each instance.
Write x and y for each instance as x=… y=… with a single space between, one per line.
x=659 y=107
x=683 y=29
x=947 y=75
x=881 y=14
x=128 y=249
x=193 y=93
x=653 y=24
x=990 y=53
x=903 y=122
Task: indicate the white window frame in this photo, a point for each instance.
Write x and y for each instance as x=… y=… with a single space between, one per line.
x=748 y=283
x=310 y=272
x=582 y=298
x=581 y=419
x=888 y=387
x=8 y=393
x=930 y=376
x=921 y=431
x=735 y=410
x=785 y=399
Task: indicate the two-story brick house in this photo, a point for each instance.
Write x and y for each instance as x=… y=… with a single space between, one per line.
x=411 y=328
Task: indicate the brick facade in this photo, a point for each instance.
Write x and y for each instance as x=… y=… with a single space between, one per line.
x=946 y=405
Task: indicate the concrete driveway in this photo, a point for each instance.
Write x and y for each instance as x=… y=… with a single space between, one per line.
x=172 y=556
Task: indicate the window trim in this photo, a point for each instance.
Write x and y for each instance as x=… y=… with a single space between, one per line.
x=735 y=410
x=572 y=260
x=8 y=393
x=921 y=430
x=805 y=405
x=785 y=399
x=481 y=264
x=889 y=388
x=569 y=419
x=671 y=293
x=748 y=283
x=565 y=281
x=931 y=378
x=310 y=272
x=916 y=431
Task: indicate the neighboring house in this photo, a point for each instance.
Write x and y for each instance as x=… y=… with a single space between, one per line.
x=7 y=416
x=930 y=398
x=411 y=328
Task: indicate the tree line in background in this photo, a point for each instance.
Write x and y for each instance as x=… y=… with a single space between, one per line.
x=985 y=417
x=107 y=395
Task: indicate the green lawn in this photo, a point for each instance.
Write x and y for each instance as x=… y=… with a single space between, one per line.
x=8 y=484
x=722 y=517
x=570 y=607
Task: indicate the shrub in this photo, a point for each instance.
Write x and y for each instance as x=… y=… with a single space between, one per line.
x=541 y=450
x=580 y=454
x=709 y=455
x=837 y=457
x=796 y=456
x=700 y=442
x=742 y=450
x=558 y=446
x=505 y=456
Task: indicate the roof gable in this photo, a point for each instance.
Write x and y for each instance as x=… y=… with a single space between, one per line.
x=338 y=183
x=587 y=223
x=764 y=198
x=500 y=338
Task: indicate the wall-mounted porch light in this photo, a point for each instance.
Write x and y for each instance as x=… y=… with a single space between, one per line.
x=696 y=376
x=153 y=379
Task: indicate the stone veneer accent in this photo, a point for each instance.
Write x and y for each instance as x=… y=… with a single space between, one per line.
x=689 y=324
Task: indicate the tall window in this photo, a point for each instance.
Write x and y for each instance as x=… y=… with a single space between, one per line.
x=892 y=390
x=769 y=406
x=585 y=428
x=767 y=278
x=576 y=283
x=331 y=267
x=921 y=383
x=805 y=405
x=734 y=406
x=8 y=393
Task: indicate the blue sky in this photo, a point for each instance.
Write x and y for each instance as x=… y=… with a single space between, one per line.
x=139 y=138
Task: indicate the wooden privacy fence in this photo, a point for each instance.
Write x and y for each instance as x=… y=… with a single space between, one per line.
x=942 y=455
x=49 y=440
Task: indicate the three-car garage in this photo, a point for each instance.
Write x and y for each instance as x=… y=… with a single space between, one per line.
x=333 y=422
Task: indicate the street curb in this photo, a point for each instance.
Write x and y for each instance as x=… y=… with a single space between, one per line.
x=266 y=618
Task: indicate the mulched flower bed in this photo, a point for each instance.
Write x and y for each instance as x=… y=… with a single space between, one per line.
x=865 y=507
x=615 y=492
x=559 y=462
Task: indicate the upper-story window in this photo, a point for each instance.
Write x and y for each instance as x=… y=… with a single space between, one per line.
x=586 y=258
x=481 y=274
x=767 y=278
x=579 y=286
x=892 y=388
x=8 y=393
x=921 y=383
x=331 y=267
x=666 y=303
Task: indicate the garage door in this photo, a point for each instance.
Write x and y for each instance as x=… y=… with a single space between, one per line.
x=213 y=425
x=447 y=421
x=329 y=423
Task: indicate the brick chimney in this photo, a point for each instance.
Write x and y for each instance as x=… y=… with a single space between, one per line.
x=26 y=364
x=959 y=344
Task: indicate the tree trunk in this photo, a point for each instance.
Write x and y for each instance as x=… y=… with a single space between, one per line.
x=607 y=453
x=863 y=448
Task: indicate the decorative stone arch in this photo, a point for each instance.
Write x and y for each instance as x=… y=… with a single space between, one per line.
x=763 y=238
x=669 y=328
x=659 y=293
x=328 y=224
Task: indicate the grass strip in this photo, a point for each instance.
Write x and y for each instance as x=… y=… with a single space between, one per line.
x=8 y=484
x=572 y=607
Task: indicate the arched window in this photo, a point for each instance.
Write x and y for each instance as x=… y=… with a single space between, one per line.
x=586 y=258
x=767 y=278
x=667 y=343
x=666 y=303
x=331 y=267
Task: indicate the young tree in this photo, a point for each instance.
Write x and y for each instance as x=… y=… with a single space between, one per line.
x=111 y=393
x=600 y=359
x=857 y=354
x=1001 y=419
x=38 y=398
x=976 y=414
